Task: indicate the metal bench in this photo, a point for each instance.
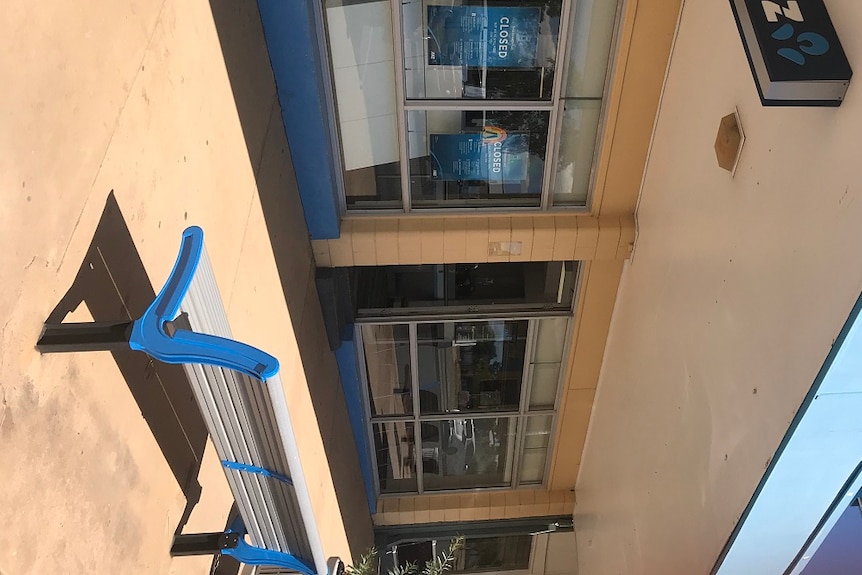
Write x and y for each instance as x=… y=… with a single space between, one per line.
x=240 y=396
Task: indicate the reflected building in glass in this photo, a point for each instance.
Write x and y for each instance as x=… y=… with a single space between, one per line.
x=488 y=168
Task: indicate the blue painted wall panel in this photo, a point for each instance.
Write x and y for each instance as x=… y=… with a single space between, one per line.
x=348 y=366
x=293 y=39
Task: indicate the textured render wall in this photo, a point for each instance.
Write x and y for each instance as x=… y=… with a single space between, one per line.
x=736 y=290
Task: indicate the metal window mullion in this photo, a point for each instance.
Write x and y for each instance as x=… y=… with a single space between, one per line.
x=479 y=105
x=413 y=338
x=552 y=159
x=527 y=376
x=526 y=386
x=363 y=380
x=400 y=98
x=468 y=415
x=565 y=43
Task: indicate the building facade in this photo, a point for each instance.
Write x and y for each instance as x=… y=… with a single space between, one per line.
x=485 y=163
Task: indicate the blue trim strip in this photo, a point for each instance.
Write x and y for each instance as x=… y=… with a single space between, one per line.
x=237 y=466
x=149 y=335
x=251 y=555
x=351 y=378
x=296 y=48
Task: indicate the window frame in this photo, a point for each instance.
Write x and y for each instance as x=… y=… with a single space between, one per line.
x=554 y=106
x=519 y=417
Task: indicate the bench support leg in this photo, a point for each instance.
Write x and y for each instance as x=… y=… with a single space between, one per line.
x=92 y=336
x=203 y=543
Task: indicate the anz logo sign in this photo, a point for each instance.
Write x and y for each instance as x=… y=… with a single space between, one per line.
x=801 y=44
x=793 y=51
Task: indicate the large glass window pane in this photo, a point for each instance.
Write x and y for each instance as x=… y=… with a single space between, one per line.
x=551 y=339
x=471 y=366
x=577 y=149
x=494 y=553
x=396 y=456
x=480 y=158
x=467 y=453
x=363 y=68
x=391 y=291
x=494 y=49
x=589 y=56
x=537 y=438
x=387 y=362
x=543 y=390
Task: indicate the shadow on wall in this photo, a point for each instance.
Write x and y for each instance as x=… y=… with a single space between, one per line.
x=113 y=283
x=240 y=32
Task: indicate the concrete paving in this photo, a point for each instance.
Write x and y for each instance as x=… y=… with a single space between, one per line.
x=171 y=106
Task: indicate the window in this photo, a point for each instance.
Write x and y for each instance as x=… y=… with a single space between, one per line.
x=480 y=554
x=468 y=104
x=494 y=49
x=462 y=404
x=412 y=291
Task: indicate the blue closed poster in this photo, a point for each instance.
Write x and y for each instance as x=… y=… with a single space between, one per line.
x=494 y=156
x=494 y=37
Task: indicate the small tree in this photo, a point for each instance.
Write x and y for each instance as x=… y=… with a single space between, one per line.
x=439 y=565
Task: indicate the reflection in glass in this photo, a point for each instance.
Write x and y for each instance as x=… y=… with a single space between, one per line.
x=482 y=158
x=537 y=437
x=478 y=554
x=387 y=362
x=362 y=53
x=494 y=553
x=467 y=453
x=499 y=49
x=391 y=291
x=396 y=456
x=471 y=366
x=577 y=148
x=589 y=57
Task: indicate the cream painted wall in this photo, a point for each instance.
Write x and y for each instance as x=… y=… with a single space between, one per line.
x=725 y=314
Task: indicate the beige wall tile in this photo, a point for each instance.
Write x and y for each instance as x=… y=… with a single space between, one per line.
x=437 y=508
x=452 y=506
x=522 y=232
x=497 y=505
x=477 y=240
x=431 y=238
x=588 y=238
x=558 y=504
x=409 y=241
x=362 y=239
x=454 y=240
x=565 y=237
x=541 y=503
x=483 y=506
x=386 y=241
x=320 y=249
x=423 y=509
x=544 y=230
x=609 y=237
x=513 y=504
x=628 y=230
x=407 y=509
x=499 y=238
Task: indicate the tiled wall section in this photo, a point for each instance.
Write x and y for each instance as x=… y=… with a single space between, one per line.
x=367 y=241
x=476 y=506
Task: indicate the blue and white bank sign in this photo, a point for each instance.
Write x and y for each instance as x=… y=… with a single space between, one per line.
x=493 y=156
x=493 y=37
x=794 y=52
